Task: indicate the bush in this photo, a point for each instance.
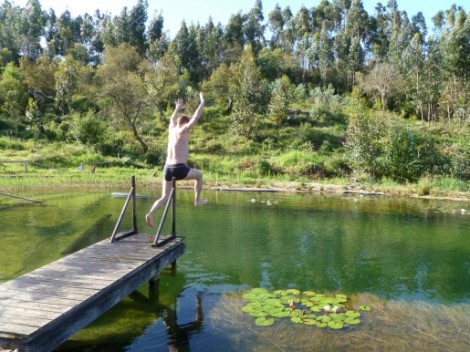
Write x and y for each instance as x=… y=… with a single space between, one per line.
x=89 y=129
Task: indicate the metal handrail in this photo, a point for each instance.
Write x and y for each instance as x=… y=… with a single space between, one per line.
x=171 y=199
x=130 y=196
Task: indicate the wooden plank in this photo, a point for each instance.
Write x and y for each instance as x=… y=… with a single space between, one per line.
x=6 y=331
x=26 y=321
x=22 y=311
x=65 y=282
x=46 y=307
x=77 y=289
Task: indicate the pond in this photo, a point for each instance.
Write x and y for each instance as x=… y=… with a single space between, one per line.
x=407 y=259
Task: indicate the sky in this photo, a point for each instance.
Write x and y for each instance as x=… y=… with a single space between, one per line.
x=194 y=11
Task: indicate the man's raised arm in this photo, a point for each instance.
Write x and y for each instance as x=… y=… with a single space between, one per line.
x=198 y=113
x=179 y=105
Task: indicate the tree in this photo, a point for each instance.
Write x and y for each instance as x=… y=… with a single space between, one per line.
x=253 y=28
x=122 y=93
x=248 y=93
x=31 y=29
x=280 y=100
x=13 y=92
x=163 y=82
x=137 y=22
x=219 y=86
x=39 y=77
x=382 y=82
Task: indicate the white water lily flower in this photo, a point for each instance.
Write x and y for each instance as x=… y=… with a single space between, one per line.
x=327 y=308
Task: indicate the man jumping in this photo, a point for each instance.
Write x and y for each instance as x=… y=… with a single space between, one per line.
x=177 y=157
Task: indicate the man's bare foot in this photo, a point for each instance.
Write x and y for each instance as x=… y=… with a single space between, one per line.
x=149 y=220
x=200 y=202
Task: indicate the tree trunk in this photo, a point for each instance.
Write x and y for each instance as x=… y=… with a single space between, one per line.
x=139 y=139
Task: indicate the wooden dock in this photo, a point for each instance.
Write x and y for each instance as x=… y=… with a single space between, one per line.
x=42 y=309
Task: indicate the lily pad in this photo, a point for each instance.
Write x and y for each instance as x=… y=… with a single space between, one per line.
x=293 y=291
x=352 y=314
x=335 y=324
x=338 y=317
x=316 y=309
x=324 y=318
x=264 y=321
x=310 y=322
x=258 y=314
x=296 y=313
x=259 y=291
x=296 y=320
x=273 y=302
x=250 y=296
x=309 y=293
x=364 y=308
x=322 y=325
x=280 y=293
x=352 y=321
x=249 y=309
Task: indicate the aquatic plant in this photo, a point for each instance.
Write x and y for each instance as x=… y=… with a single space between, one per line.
x=308 y=308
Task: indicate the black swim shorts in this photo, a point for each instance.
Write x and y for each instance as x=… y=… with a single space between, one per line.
x=178 y=171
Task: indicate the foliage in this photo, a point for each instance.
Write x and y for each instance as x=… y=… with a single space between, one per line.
x=88 y=129
x=343 y=88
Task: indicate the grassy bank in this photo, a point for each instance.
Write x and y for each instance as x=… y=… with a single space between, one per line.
x=119 y=178
x=39 y=164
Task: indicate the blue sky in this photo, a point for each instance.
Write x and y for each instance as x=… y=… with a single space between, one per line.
x=193 y=11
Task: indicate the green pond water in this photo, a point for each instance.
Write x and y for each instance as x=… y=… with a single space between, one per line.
x=409 y=259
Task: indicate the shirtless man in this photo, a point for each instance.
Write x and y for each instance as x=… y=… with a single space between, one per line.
x=177 y=157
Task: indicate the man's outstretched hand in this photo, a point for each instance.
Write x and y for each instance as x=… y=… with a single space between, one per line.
x=180 y=104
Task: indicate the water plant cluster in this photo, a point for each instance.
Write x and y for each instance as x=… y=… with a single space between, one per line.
x=308 y=307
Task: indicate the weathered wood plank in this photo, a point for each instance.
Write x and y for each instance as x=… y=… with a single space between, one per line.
x=57 y=307
x=64 y=282
x=25 y=312
x=19 y=331
x=65 y=296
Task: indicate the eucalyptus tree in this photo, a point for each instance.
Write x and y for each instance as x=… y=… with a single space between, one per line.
x=455 y=46
x=234 y=38
x=355 y=36
x=122 y=91
x=137 y=26
x=281 y=25
x=212 y=46
x=31 y=29
x=60 y=33
x=187 y=46
x=10 y=17
x=254 y=28
x=303 y=40
x=158 y=42
x=276 y=25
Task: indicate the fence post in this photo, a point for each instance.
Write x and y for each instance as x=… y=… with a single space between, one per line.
x=173 y=211
x=134 y=206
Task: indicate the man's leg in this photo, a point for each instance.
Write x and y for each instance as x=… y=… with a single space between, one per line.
x=166 y=190
x=196 y=175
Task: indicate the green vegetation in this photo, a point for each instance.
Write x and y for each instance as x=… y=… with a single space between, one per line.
x=308 y=308
x=374 y=101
